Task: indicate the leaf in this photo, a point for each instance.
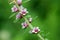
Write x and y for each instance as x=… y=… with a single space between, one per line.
x=12 y=15
x=16 y=20
x=26 y=1
x=28 y=16
x=35 y=18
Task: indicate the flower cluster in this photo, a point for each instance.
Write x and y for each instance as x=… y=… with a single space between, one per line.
x=22 y=13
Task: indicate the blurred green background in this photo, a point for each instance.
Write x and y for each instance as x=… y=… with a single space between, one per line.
x=48 y=12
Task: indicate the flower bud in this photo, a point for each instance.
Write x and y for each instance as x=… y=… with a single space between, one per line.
x=19 y=2
x=23 y=11
x=30 y=20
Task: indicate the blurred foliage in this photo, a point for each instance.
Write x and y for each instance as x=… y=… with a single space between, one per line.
x=48 y=12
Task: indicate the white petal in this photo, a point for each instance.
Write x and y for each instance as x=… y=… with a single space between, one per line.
x=25 y=9
x=27 y=12
x=37 y=27
x=21 y=7
x=35 y=32
x=24 y=14
x=23 y=27
x=12 y=9
x=22 y=24
x=30 y=19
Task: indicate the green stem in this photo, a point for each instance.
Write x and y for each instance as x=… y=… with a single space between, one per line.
x=29 y=23
x=40 y=36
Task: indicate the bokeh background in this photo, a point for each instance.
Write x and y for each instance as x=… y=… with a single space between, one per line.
x=48 y=19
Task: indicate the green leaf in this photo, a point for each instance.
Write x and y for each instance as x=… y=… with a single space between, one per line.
x=28 y=16
x=16 y=20
x=12 y=15
x=26 y=1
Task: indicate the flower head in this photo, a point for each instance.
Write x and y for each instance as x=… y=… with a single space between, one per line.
x=19 y=2
x=18 y=16
x=23 y=10
x=35 y=30
x=14 y=8
x=24 y=25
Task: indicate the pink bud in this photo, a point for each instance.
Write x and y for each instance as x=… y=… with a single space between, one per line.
x=24 y=25
x=30 y=20
x=14 y=9
x=19 y=2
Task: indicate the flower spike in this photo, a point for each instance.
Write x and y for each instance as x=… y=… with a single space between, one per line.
x=22 y=13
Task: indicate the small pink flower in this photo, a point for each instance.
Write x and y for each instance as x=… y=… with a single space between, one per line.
x=19 y=2
x=35 y=30
x=30 y=20
x=24 y=11
x=18 y=16
x=14 y=8
x=24 y=25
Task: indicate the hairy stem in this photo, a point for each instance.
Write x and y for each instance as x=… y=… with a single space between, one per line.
x=28 y=21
